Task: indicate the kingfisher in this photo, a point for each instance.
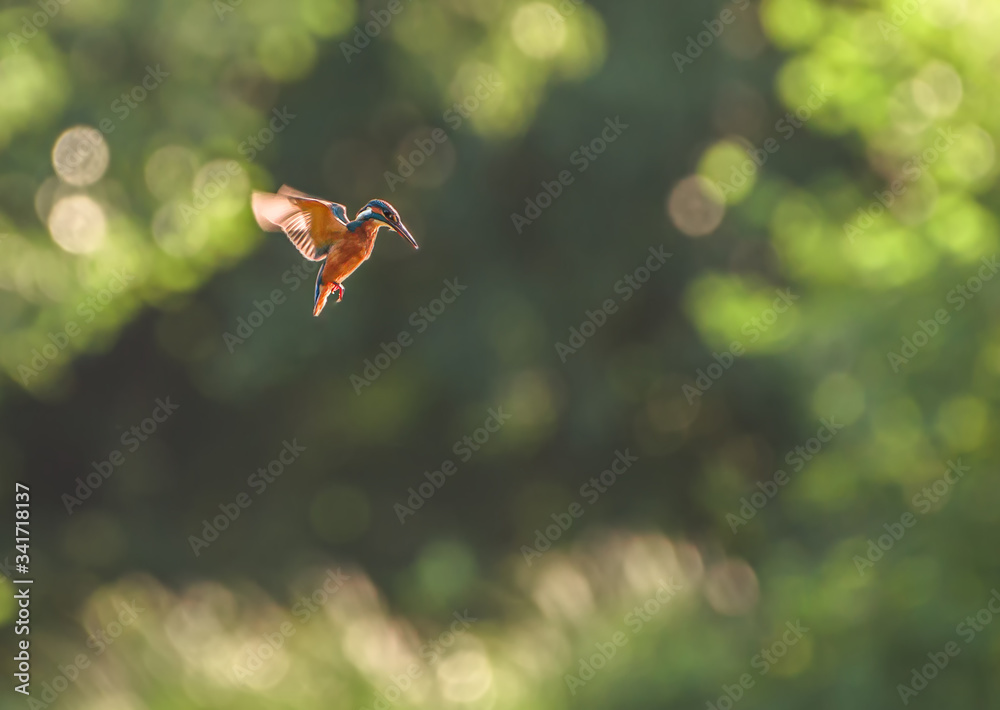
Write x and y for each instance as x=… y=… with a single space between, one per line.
x=321 y=231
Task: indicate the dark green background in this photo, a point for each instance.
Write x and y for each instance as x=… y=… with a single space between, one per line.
x=895 y=76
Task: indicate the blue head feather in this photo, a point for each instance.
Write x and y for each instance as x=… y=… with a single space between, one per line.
x=384 y=206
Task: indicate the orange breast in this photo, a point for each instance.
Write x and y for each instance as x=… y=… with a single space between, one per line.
x=346 y=256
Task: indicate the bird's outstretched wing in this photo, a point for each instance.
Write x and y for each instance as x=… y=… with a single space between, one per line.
x=339 y=211
x=311 y=224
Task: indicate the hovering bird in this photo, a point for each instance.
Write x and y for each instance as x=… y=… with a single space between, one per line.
x=321 y=231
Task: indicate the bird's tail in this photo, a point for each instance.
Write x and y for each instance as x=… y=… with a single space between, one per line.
x=323 y=291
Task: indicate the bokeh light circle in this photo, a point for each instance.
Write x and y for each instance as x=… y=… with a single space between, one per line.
x=539 y=30
x=695 y=206
x=80 y=155
x=938 y=89
x=465 y=676
x=731 y=588
x=170 y=171
x=221 y=186
x=77 y=224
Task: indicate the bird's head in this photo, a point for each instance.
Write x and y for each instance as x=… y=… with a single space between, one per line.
x=381 y=212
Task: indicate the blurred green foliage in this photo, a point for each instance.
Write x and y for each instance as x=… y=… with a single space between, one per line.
x=840 y=153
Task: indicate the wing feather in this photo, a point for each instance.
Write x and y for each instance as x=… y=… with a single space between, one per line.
x=311 y=225
x=338 y=209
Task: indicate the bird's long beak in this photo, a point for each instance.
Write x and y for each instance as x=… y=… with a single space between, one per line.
x=399 y=229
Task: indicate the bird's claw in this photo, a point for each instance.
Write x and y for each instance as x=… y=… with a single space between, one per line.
x=321 y=296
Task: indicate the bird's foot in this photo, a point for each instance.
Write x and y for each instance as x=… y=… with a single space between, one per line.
x=339 y=290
